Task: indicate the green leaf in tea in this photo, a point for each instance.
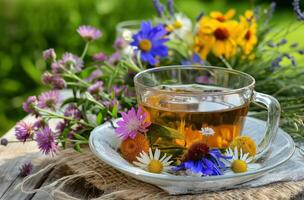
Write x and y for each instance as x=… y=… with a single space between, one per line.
x=157 y=131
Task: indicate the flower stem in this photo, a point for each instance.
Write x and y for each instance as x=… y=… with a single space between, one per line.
x=225 y=62
x=85 y=50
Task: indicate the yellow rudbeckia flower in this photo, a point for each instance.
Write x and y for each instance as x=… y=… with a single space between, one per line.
x=218 y=37
x=222 y=17
x=249 y=38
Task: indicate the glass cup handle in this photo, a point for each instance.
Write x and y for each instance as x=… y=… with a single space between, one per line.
x=273 y=119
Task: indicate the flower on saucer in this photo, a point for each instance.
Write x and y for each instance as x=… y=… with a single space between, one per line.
x=131 y=148
x=245 y=143
x=239 y=161
x=150 y=42
x=207 y=131
x=89 y=33
x=153 y=162
x=132 y=123
x=201 y=160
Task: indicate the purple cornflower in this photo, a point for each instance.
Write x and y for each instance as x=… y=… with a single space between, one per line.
x=120 y=43
x=297 y=9
x=114 y=58
x=45 y=139
x=48 y=99
x=150 y=42
x=49 y=54
x=71 y=60
x=96 y=87
x=73 y=112
x=26 y=169
x=195 y=59
x=202 y=160
x=23 y=131
x=96 y=74
x=170 y=4
x=132 y=123
x=100 y=57
x=4 y=142
x=89 y=33
x=29 y=105
x=158 y=7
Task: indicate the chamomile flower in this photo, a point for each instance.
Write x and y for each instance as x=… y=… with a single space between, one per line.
x=152 y=162
x=240 y=162
x=180 y=26
x=207 y=131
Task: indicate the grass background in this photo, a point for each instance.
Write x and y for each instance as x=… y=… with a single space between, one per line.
x=28 y=27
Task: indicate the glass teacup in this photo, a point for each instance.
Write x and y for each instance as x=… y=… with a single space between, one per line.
x=203 y=103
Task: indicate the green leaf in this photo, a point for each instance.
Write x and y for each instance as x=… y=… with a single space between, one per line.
x=67 y=101
x=115 y=110
x=79 y=137
x=87 y=71
x=157 y=131
x=99 y=118
x=31 y=70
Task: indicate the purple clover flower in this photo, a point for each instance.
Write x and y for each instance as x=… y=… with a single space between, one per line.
x=96 y=74
x=49 y=55
x=47 y=78
x=170 y=4
x=132 y=123
x=119 y=89
x=158 y=7
x=120 y=43
x=114 y=58
x=39 y=124
x=26 y=169
x=71 y=60
x=29 y=105
x=96 y=87
x=150 y=42
x=100 y=57
x=297 y=10
x=56 y=68
x=23 y=131
x=60 y=127
x=73 y=112
x=45 y=139
x=89 y=33
x=55 y=80
x=48 y=99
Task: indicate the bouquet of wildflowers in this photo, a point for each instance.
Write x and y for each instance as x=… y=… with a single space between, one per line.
x=87 y=92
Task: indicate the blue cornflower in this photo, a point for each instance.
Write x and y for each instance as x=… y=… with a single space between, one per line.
x=195 y=59
x=202 y=160
x=150 y=42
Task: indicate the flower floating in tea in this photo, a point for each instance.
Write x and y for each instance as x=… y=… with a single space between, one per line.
x=240 y=162
x=207 y=131
x=132 y=123
x=153 y=163
x=200 y=159
x=244 y=143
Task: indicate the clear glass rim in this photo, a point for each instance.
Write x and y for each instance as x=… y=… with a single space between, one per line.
x=196 y=67
x=121 y=25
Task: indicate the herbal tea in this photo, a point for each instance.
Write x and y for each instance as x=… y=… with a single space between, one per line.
x=188 y=115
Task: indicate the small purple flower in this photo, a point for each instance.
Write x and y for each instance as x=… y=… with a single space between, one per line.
x=158 y=7
x=39 y=124
x=297 y=9
x=23 y=131
x=150 y=42
x=110 y=104
x=4 y=142
x=203 y=80
x=276 y=63
x=96 y=87
x=73 y=61
x=282 y=42
x=120 y=43
x=291 y=59
x=60 y=127
x=132 y=123
x=48 y=99
x=47 y=78
x=73 y=112
x=45 y=139
x=100 y=57
x=29 y=105
x=26 y=169
x=119 y=89
x=96 y=74
x=58 y=83
x=170 y=4
x=56 y=68
x=49 y=54
x=89 y=33
x=114 y=58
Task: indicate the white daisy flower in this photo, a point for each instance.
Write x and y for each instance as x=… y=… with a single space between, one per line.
x=240 y=162
x=207 y=131
x=153 y=163
x=181 y=25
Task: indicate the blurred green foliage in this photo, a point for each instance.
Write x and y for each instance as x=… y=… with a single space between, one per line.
x=28 y=27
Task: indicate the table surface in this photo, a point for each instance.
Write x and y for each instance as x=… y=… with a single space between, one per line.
x=12 y=157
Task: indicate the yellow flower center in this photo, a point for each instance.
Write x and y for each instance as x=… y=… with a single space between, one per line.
x=155 y=166
x=239 y=166
x=177 y=24
x=145 y=45
x=221 y=33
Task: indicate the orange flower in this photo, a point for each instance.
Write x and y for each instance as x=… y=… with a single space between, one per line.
x=130 y=148
x=222 y=17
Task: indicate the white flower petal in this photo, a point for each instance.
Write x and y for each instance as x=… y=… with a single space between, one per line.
x=140 y=165
x=156 y=154
x=151 y=154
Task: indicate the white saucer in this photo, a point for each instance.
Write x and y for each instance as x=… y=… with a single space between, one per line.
x=104 y=143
